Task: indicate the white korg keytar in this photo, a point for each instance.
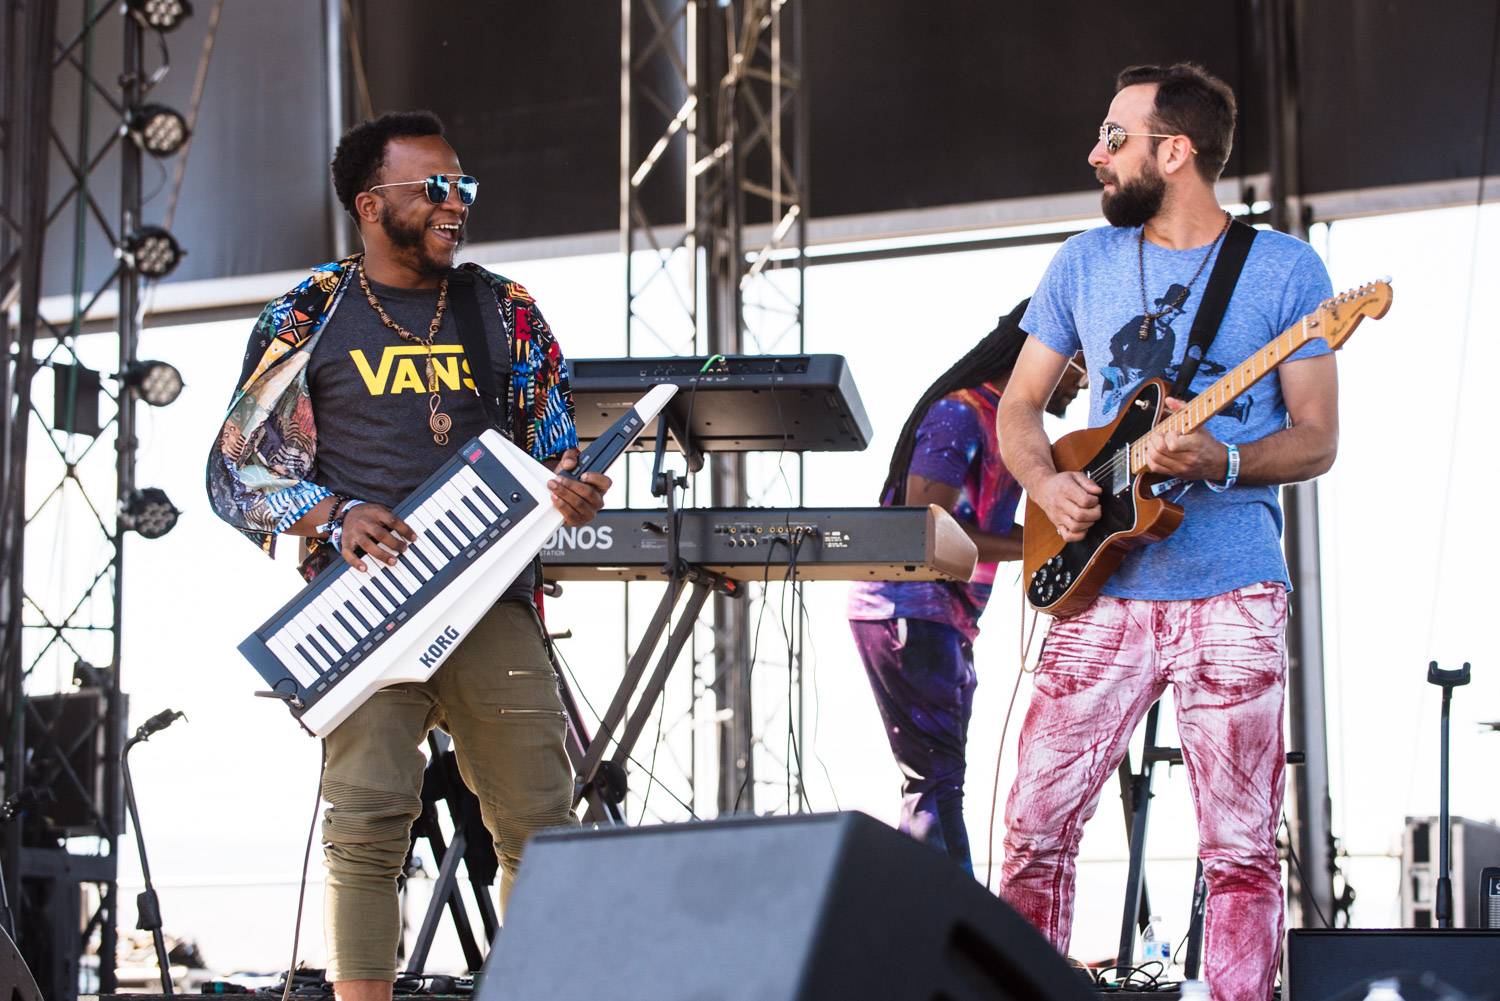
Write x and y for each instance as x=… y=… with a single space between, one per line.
x=480 y=520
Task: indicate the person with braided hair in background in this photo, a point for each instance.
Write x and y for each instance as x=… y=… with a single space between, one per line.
x=916 y=637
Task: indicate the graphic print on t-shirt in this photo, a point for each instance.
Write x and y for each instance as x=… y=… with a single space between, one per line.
x=1133 y=359
x=402 y=369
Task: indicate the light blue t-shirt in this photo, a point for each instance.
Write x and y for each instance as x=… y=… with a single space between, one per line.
x=1090 y=297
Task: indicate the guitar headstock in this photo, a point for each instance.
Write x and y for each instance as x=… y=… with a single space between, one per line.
x=1335 y=319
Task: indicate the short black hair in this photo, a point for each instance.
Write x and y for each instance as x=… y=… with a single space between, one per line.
x=1190 y=101
x=361 y=150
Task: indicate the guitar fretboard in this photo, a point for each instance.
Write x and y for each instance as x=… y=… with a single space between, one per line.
x=1222 y=393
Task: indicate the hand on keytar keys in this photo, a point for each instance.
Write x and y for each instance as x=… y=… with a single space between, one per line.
x=1071 y=501
x=580 y=499
x=375 y=531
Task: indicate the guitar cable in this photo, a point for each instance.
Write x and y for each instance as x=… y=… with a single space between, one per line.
x=1024 y=640
x=306 y=862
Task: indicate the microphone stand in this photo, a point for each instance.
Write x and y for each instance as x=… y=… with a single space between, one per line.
x=148 y=907
x=1447 y=680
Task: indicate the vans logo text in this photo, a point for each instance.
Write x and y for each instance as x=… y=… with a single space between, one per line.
x=398 y=373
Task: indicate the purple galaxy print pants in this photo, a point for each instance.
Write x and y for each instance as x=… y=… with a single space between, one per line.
x=1225 y=660
x=922 y=674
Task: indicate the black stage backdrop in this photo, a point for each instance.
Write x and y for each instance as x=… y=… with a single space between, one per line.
x=913 y=105
x=253 y=196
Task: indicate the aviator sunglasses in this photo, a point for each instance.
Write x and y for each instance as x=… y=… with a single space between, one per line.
x=438 y=185
x=1113 y=137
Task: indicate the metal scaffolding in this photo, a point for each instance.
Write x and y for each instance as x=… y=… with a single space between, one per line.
x=713 y=118
x=1308 y=803
x=63 y=716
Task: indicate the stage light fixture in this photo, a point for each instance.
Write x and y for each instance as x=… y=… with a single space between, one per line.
x=149 y=513
x=155 y=382
x=152 y=252
x=160 y=15
x=157 y=129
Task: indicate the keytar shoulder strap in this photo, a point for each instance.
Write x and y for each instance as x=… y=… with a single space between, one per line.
x=465 y=296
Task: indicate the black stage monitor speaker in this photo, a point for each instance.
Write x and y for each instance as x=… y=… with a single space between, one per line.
x=1427 y=962
x=1489 y=897
x=820 y=907
x=16 y=983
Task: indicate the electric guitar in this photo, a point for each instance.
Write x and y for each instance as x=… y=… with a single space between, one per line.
x=1063 y=578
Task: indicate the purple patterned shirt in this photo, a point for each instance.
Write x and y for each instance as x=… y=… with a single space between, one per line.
x=956 y=445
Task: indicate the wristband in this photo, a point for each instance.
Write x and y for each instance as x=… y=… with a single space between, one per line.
x=1231 y=472
x=336 y=536
x=334 y=526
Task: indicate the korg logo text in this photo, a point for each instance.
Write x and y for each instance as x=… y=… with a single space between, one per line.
x=445 y=639
x=584 y=537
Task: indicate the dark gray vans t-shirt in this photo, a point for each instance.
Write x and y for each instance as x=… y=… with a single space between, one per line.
x=370 y=398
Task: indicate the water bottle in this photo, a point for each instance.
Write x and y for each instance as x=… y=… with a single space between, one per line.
x=1384 y=990
x=1155 y=945
x=1194 y=990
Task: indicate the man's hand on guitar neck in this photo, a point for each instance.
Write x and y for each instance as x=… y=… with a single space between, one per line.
x=1196 y=456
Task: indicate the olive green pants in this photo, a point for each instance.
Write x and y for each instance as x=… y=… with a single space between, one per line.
x=497 y=697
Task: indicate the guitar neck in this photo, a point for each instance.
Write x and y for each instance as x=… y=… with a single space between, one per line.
x=1224 y=392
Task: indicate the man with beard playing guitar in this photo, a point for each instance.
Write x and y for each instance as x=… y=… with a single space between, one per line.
x=1204 y=610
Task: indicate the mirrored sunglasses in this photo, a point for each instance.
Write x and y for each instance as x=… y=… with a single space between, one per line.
x=1113 y=136
x=437 y=187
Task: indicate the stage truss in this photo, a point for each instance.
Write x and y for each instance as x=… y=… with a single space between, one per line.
x=65 y=106
x=713 y=117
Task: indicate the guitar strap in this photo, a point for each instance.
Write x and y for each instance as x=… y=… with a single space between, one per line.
x=488 y=377
x=1221 y=282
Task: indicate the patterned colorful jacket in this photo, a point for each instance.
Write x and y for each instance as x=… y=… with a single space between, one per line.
x=258 y=468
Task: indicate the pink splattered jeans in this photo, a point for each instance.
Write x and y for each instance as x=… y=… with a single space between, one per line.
x=1225 y=659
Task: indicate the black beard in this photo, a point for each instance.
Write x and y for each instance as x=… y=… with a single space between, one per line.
x=410 y=241
x=1136 y=203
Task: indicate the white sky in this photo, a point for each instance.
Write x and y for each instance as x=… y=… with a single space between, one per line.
x=226 y=796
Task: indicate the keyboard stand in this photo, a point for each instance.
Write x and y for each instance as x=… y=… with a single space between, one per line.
x=471 y=844
x=604 y=782
x=600 y=810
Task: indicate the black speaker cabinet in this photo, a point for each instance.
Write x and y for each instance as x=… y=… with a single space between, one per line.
x=1428 y=962
x=823 y=906
x=16 y=983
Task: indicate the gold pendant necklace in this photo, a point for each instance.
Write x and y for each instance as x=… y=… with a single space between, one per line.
x=437 y=421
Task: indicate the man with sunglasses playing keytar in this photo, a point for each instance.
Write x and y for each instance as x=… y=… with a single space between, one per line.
x=1204 y=610
x=356 y=387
